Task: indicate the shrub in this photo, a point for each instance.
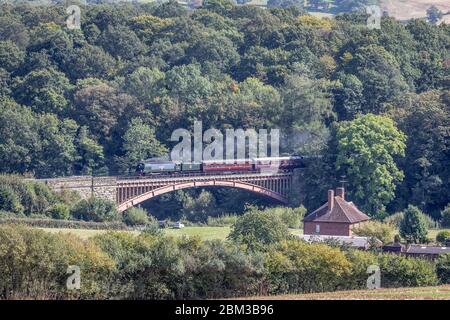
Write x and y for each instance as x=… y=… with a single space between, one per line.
x=382 y=231
x=221 y=221
x=292 y=217
x=149 y=267
x=443 y=268
x=135 y=217
x=443 y=236
x=46 y=222
x=9 y=201
x=95 y=209
x=360 y=261
x=445 y=214
x=257 y=229
x=60 y=211
x=394 y=219
x=34 y=197
x=413 y=227
x=296 y=266
x=399 y=271
x=397 y=218
x=34 y=264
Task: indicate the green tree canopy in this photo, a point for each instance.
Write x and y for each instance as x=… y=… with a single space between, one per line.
x=367 y=147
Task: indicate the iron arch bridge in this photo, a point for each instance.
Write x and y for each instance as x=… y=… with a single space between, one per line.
x=131 y=191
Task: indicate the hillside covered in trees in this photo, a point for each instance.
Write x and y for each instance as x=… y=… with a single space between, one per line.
x=98 y=99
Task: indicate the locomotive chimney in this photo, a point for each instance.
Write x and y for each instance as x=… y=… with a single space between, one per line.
x=340 y=192
x=330 y=200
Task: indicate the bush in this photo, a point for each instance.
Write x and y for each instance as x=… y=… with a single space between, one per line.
x=394 y=219
x=34 y=265
x=257 y=229
x=60 y=211
x=382 y=231
x=9 y=201
x=222 y=221
x=443 y=268
x=135 y=217
x=294 y=266
x=399 y=271
x=33 y=197
x=45 y=222
x=292 y=217
x=360 y=260
x=443 y=237
x=397 y=218
x=413 y=227
x=445 y=214
x=95 y=209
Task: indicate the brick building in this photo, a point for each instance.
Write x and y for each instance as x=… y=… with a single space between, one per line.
x=336 y=217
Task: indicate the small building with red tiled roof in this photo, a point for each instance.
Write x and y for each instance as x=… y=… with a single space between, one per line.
x=336 y=217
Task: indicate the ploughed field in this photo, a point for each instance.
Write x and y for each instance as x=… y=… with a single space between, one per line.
x=416 y=293
x=408 y=9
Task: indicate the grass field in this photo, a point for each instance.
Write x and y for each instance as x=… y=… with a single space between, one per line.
x=417 y=293
x=205 y=233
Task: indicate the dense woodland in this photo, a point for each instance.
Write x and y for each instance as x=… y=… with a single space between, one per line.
x=372 y=105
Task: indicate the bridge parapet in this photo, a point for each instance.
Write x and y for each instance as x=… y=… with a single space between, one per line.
x=86 y=186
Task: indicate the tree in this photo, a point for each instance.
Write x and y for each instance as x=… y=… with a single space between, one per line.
x=10 y=55
x=139 y=143
x=443 y=237
x=102 y=108
x=379 y=72
x=9 y=201
x=366 y=150
x=425 y=119
x=44 y=90
x=379 y=230
x=95 y=209
x=146 y=84
x=307 y=106
x=434 y=14
x=199 y=208
x=89 y=61
x=135 y=217
x=413 y=227
x=121 y=42
x=45 y=144
x=258 y=229
x=445 y=214
x=90 y=154
x=443 y=268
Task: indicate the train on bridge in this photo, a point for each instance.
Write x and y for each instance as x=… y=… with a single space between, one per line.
x=278 y=164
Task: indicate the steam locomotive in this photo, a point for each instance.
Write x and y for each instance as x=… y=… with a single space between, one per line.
x=159 y=167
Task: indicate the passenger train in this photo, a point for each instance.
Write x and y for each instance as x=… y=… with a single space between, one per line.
x=159 y=167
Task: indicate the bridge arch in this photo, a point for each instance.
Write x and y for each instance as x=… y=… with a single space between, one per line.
x=208 y=183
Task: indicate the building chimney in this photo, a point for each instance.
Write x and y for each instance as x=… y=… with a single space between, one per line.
x=340 y=192
x=330 y=200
